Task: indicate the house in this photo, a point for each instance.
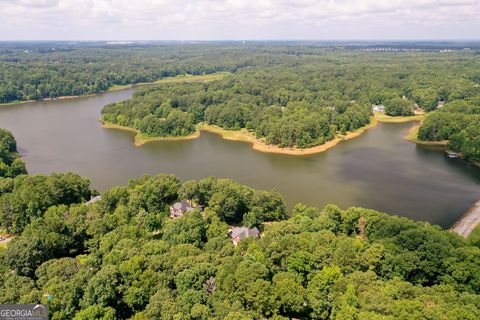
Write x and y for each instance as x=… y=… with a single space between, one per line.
x=239 y=233
x=93 y=200
x=178 y=209
x=440 y=104
x=378 y=108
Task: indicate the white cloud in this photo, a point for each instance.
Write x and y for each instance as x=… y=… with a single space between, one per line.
x=210 y=19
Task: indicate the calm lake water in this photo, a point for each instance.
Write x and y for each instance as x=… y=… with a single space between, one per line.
x=378 y=170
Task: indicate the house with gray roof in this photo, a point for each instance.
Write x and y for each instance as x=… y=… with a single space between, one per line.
x=239 y=233
x=178 y=209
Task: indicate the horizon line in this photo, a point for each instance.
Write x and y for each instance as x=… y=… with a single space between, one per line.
x=244 y=40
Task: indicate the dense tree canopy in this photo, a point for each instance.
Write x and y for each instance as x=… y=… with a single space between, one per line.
x=458 y=122
x=61 y=69
x=302 y=100
x=10 y=163
x=398 y=107
x=122 y=257
x=282 y=107
x=288 y=94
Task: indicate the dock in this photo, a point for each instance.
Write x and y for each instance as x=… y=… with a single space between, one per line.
x=468 y=222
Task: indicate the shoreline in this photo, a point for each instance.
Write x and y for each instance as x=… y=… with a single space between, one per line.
x=259 y=145
x=18 y=102
x=140 y=140
x=468 y=222
x=245 y=136
x=177 y=79
x=400 y=119
x=412 y=132
x=412 y=137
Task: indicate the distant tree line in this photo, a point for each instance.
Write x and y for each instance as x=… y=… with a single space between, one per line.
x=302 y=105
x=289 y=94
x=36 y=71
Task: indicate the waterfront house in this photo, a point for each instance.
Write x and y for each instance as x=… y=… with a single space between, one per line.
x=378 y=108
x=178 y=209
x=239 y=233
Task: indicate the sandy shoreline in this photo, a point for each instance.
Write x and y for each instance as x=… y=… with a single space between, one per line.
x=245 y=136
x=259 y=145
x=140 y=139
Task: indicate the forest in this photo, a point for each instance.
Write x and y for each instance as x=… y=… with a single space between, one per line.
x=306 y=99
x=459 y=123
x=288 y=94
x=52 y=70
x=10 y=163
x=122 y=257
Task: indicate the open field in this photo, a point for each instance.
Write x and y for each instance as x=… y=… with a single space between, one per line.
x=475 y=234
x=177 y=79
x=384 y=118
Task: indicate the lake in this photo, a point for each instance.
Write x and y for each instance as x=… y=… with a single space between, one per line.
x=378 y=170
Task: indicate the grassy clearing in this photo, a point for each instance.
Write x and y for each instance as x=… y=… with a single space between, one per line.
x=475 y=235
x=384 y=118
x=177 y=79
x=6 y=239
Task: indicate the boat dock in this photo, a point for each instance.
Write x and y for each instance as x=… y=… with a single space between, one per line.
x=468 y=222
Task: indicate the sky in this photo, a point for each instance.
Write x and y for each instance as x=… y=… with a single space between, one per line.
x=239 y=19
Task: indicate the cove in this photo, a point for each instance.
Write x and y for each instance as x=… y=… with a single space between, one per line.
x=378 y=170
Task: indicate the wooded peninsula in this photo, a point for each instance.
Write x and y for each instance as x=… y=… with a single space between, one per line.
x=288 y=96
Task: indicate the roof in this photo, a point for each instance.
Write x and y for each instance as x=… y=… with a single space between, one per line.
x=183 y=205
x=94 y=199
x=244 y=232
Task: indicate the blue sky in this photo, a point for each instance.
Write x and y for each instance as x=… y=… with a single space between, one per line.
x=239 y=19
